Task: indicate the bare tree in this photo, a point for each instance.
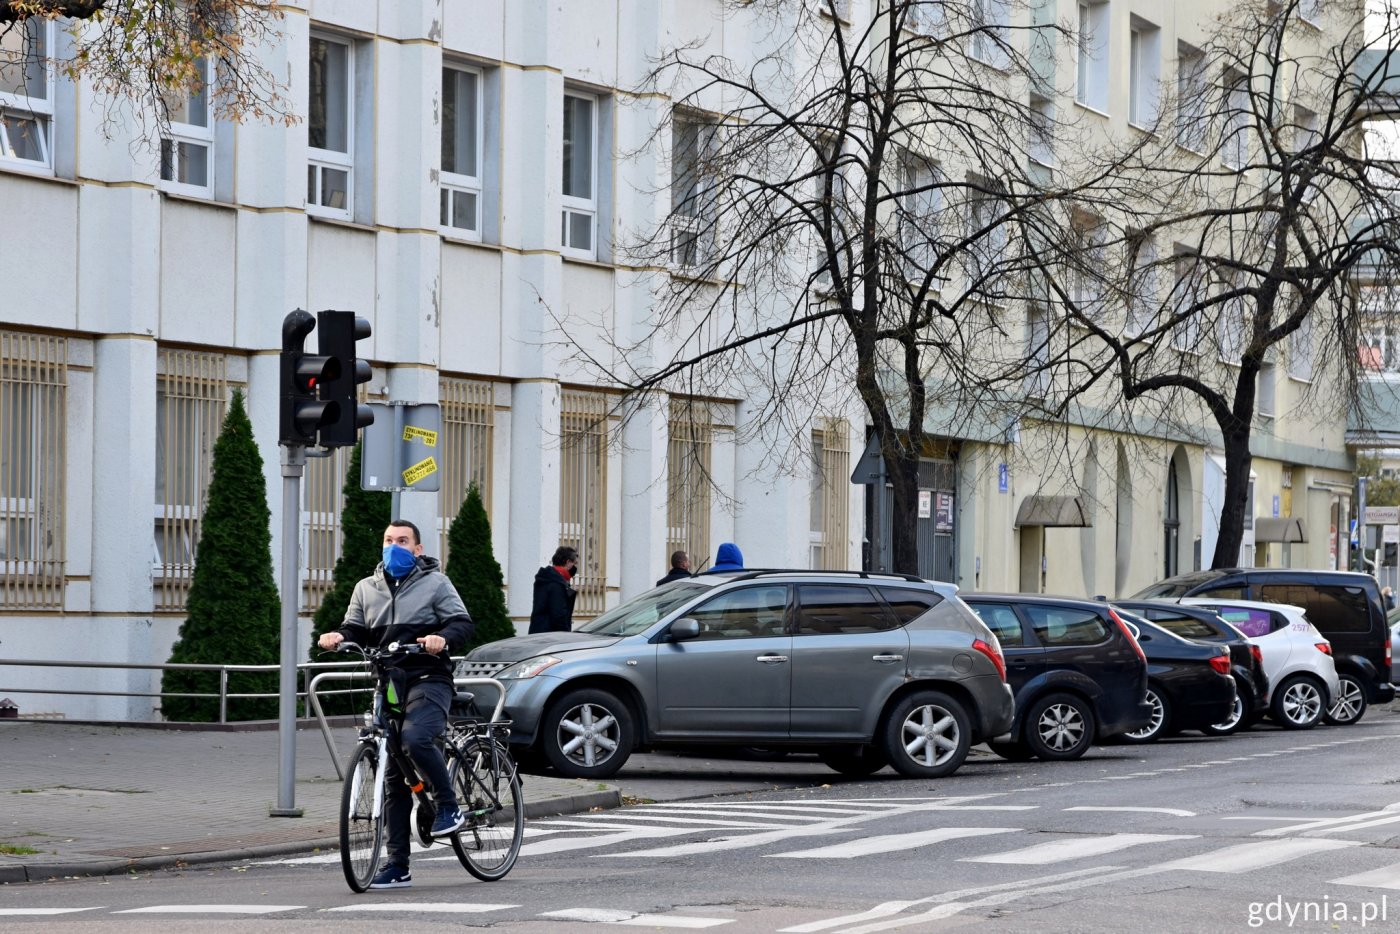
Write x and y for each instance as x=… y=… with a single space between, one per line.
x=1239 y=232
x=836 y=199
x=154 y=52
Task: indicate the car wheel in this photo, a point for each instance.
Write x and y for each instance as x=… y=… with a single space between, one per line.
x=1241 y=716
x=1160 y=724
x=1059 y=726
x=927 y=735
x=1351 y=702
x=587 y=733
x=1298 y=703
x=1012 y=750
x=857 y=762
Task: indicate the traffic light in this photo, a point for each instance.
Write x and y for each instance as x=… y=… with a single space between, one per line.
x=338 y=331
x=304 y=410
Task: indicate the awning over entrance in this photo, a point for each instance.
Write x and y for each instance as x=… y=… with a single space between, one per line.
x=1269 y=529
x=1053 y=511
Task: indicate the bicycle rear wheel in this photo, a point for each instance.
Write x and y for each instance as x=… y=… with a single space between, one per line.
x=361 y=832
x=488 y=792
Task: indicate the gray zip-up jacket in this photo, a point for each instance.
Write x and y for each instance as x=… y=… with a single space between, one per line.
x=424 y=603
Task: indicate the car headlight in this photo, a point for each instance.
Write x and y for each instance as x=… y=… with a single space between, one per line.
x=528 y=668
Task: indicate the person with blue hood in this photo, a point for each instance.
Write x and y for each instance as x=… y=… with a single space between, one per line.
x=408 y=599
x=727 y=558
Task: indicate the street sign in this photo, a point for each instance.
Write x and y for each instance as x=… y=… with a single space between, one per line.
x=926 y=504
x=1383 y=515
x=871 y=466
x=402 y=450
x=1003 y=478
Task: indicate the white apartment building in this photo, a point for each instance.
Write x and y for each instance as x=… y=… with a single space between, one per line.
x=462 y=178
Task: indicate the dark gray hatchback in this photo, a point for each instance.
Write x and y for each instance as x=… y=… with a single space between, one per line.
x=866 y=670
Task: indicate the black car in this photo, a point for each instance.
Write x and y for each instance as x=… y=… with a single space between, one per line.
x=1076 y=670
x=1202 y=624
x=1345 y=607
x=1188 y=683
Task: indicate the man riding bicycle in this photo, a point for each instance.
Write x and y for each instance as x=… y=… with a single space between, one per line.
x=407 y=599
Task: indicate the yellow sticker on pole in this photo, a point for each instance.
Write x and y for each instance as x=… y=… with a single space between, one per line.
x=425 y=435
x=424 y=468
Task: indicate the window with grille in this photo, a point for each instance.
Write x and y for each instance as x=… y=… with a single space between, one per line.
x=33 y=384
x=831 y=473
x=468 y=422
x=583 y=494
x=323 y=500
x=688 y=451
x=191 y=396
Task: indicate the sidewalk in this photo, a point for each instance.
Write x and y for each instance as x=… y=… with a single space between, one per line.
x=94 y=800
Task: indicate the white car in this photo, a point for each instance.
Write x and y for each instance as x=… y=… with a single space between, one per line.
x=1297 y=658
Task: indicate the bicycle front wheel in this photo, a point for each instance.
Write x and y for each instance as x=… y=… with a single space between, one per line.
x=361 y=832
x=488 y=792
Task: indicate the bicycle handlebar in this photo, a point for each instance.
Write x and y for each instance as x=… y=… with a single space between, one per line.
x=393 y=648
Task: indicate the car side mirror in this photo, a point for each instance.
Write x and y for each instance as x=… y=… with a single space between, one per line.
x=683 y=629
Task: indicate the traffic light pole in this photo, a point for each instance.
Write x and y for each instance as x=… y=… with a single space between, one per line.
x=293 y=466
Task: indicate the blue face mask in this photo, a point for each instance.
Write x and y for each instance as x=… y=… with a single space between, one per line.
x=398 y=560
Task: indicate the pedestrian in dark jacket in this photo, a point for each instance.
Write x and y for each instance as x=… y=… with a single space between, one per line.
x=408 y=599
x=727 y=558
x=680 y=568
x=553 y=608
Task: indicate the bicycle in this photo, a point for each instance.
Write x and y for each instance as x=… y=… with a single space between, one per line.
x=483 y=776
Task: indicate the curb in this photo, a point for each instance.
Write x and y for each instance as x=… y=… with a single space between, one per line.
x=58 y=869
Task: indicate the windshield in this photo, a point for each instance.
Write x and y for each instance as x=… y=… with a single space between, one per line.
x=642 y=611
x=1172 y=587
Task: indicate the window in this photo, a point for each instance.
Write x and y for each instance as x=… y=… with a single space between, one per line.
x=1186 y=300
x=1037 y=352
x=1002 y=621
x=908 y=605
x=990 y=20
x=1310 y=11
x=1041 y=142
x=1300 y=351
x=920 y=203
x=1234 y=139
x=1184 y=626
x=322 y=500
x=1144 y=72
x=468 y=429
x=828 y=498
x=1264 y=395
x=33 y=385
x=987 y=250
x=583 y=493
x=688 y=478
x=579 y=225
x=1190 y=97
x=1091 y=56
x=1142 y=302
x=1330 y=607
x=926 y=17
x=1090 y=235
x=1232 y=325
x=831 y=195
x=1063 y=626
x=330 y=170
x=692 y=190
x=743 y=614
x=191 y=390
x=187 y=150
x=1306 y=133
x=460 y=181
x=1171 y=523
x=26 y=94
x=1252 y=621
x=833 y=610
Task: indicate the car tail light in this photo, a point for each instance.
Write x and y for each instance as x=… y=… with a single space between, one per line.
x=1387 y=650
x=1324 y=647
x=991 y=652
x=1128 y=634
x=1221 y=663
x=1258 y=654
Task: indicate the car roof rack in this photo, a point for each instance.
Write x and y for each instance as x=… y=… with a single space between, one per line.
x=751 y=573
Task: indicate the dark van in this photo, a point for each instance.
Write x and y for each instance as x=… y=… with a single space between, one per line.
x=1346 y=607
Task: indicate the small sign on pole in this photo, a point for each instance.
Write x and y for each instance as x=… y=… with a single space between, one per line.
x=401 y=451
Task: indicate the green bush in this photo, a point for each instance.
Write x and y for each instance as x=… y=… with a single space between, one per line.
x=474 y=571
x=362 y=522
x=233 y=612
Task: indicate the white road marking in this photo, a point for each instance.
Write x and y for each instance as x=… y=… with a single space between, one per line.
x=1248 y=857
x=717 y=822
x=1061 y=850
x=1176 y=812
x=1385 y=815
x=209 y=910
x=610 y=916
x=434 y=907
x=1387 y=877
x=565 y=844
x=32 y=912
x=890 y=843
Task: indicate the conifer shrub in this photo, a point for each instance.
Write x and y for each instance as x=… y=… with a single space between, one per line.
x=474 y=571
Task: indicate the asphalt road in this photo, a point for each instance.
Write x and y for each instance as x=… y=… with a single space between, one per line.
x=1191 y=835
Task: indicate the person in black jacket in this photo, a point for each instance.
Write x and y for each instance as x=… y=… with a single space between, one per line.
x=680 y=568
x=553 y=608
x=408 y=599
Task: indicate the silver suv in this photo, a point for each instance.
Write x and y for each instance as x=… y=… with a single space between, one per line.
x=867 y=670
